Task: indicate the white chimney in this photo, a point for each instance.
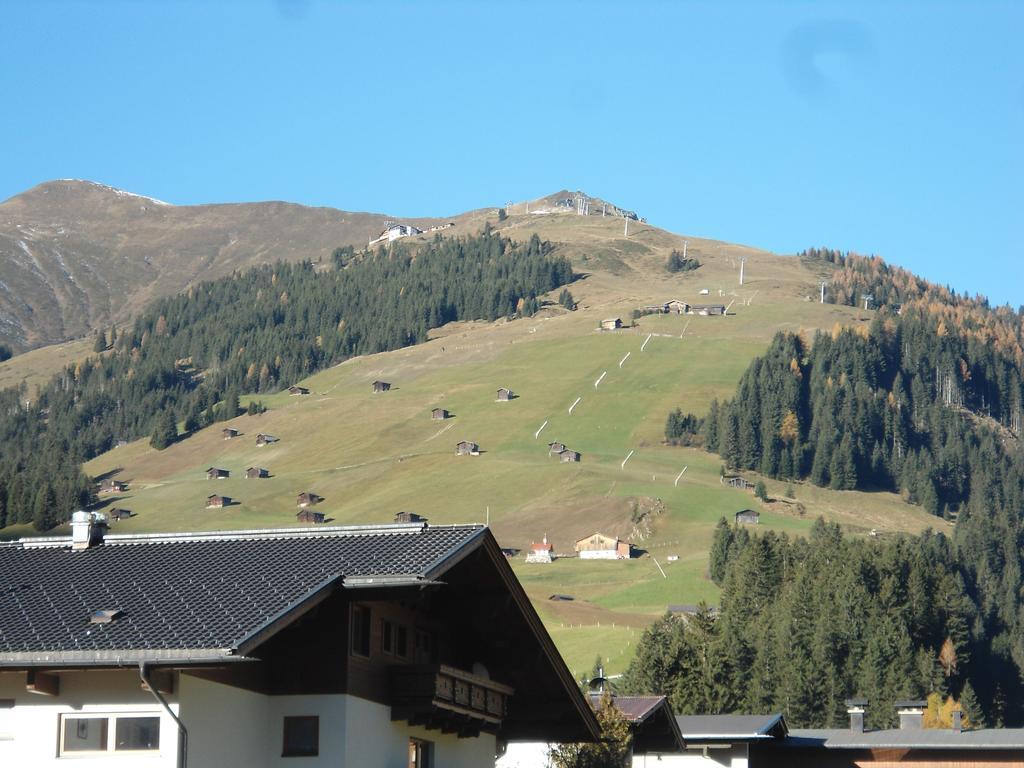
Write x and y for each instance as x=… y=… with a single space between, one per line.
x=87 y=529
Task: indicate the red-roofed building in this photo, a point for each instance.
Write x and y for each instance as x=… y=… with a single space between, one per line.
x=541 y=553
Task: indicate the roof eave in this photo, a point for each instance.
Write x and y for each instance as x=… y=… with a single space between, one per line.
x=119 y=658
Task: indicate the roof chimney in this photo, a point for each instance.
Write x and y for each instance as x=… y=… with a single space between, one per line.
x=958 y=721
x=87 y=529
x=855 y=709
x=911 y=714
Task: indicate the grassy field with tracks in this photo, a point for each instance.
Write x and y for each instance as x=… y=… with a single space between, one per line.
x=372 y=455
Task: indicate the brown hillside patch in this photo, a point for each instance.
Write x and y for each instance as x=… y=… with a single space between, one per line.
x=589 y=514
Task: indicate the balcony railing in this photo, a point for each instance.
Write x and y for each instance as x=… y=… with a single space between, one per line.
x=450 y=699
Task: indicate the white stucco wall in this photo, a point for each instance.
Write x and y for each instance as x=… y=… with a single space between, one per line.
x=525 y=754
x=228 y=727
x=696 y=757
x=535 y=755
x=29 y=732
x=598 y=554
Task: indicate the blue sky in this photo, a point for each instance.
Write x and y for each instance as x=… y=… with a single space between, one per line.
x=883 y=127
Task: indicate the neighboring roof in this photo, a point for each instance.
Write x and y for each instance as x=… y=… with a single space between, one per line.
x=189 y=597
x=923 y=738
x=635 y=709
x=651 y=720
x=599 y=535
x=731 y=728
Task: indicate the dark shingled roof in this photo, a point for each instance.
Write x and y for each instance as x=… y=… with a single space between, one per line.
x=655 y=728
x=635 y=709
x=189 y=597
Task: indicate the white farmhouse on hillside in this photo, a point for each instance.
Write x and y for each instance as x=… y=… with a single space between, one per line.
x=397 y=645
x=393 y=232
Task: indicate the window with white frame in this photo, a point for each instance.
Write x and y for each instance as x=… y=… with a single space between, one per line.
x=84 y=733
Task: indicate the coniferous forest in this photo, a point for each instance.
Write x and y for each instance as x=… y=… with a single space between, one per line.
x=805 y=623
x=926 y=403
x=189 y=357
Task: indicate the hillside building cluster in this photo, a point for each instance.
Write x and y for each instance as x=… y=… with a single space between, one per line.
x=680 y=307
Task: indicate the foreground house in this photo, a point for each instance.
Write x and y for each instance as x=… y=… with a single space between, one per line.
x=262 y=439
x=347 y=646
x=611 y=324
x=381 y=386
x=216 y=473
x=505 y=394
x=216 y=501
x=439 y=414
x=256 y=473
x=467 y=448
x=295 y=389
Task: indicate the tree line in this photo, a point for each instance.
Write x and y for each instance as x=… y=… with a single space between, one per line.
x=805 y=623
x=189 y=357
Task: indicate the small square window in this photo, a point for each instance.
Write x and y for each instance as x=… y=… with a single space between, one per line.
x=85 y=734
x=301 y=737
x=361 y=630
x=137 y=733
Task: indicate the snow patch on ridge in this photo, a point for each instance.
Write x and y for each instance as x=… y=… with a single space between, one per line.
x=119 y=192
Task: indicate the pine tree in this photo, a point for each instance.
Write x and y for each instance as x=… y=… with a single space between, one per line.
x=193 y=422
x=761 y=490
x=101 y=342
x=721 y=544
x=165 y=433
x=230 y=406
x=44 y=512
x=971 y=706
x=612 y=751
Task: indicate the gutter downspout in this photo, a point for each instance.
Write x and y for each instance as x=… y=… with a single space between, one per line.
x=182 y=730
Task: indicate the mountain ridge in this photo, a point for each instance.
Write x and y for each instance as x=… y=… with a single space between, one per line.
x=78 y=255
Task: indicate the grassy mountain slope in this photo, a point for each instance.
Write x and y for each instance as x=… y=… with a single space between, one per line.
x=372 y=455
x=76 y=256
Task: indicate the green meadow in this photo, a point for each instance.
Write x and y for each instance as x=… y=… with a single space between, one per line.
x=372 y=455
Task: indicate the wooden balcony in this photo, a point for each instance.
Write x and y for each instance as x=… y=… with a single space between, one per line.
x=448 y=699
